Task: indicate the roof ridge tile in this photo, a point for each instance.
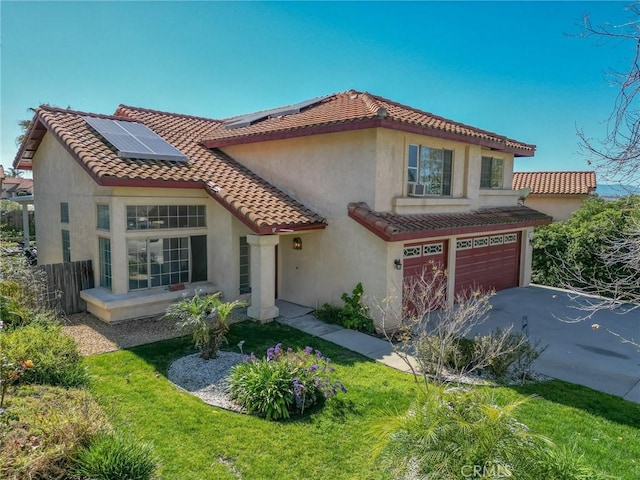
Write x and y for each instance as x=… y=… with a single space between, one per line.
x=161 y=112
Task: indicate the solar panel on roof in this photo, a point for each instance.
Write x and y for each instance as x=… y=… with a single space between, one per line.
x=135 y=140
x=248 y=119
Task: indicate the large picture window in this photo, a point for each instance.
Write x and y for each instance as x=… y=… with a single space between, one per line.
x=492 y=173
x=429 y=171
x=155 y=262
x=148 y=217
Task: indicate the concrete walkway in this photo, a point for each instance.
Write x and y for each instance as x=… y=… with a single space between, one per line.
x=300 y=317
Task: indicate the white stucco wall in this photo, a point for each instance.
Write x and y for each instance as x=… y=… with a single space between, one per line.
x=59 y=178
x=560 y=207
x=326 y=173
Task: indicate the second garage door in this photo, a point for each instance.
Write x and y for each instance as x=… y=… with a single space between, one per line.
x=490 y=262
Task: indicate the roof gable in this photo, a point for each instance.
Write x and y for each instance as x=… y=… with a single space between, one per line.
x=257 y=203
x=353 y=110
x=555 y=183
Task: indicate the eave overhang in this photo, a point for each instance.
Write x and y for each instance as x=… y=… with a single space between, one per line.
x=395 y=227
x=502 y=144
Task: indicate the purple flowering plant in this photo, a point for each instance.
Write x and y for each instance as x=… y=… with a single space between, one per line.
x=284 y=382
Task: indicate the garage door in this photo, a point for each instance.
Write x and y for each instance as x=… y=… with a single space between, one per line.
x=490 y=262
x=421 y=259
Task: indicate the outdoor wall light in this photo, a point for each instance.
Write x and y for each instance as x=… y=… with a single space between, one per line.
x=398 y=264
x=297 y=243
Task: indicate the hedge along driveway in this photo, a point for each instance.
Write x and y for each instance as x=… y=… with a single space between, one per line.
x=196 y=441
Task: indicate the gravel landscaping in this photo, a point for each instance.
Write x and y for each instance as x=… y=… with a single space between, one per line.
x=95 y=336
x=206 y=379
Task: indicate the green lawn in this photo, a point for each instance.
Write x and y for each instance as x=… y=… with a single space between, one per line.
x=197 y=441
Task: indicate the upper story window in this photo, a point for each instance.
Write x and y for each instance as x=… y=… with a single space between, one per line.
x=103 y=217
x=492 y=173
x=64 y=212
x=429 y=171
x=147 y=217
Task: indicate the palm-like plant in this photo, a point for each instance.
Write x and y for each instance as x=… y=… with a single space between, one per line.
x=206 y=316
x=452 y=431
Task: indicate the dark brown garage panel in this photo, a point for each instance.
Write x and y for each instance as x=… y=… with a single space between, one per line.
x=488 y=262
x=418 y=256
x=422 y=257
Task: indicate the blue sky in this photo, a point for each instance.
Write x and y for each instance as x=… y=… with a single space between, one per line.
x=515 y=68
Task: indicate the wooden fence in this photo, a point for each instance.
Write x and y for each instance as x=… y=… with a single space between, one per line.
x=65 y=280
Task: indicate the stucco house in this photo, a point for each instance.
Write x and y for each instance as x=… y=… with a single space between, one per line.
x=557 y=194
x=299 y=202
x=12 y=187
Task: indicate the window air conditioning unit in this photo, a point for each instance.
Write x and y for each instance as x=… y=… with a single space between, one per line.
x=416 y=190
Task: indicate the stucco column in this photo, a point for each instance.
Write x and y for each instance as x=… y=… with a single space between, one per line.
x=25 y=224
x=263 y=277
x=451 y=270
x=526 y=255
x=119 y=256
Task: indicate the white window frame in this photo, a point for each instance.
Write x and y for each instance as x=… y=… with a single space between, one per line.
x=496 y=179
x=422 y=181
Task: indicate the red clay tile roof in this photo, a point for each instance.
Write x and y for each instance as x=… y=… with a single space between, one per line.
x=353 y=110
x=394 y=227
x=556 y=183
x=260 y=205
x=15 y=184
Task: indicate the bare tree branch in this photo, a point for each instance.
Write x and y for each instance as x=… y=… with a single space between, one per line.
x=617 y=155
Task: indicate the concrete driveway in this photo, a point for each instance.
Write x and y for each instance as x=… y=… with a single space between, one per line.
x=576 y=352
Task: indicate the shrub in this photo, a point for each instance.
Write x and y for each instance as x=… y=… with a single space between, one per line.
x=42 y=430
x=462 y=354
x=450 y=431
x=329 y=313
x=115 y=457
x=502 y=354
x=284 y=383
x=10 y=373
x=23 y=292
x=354 y=315
x=517 y=357
x=54 y=355
x=206 y=316
x=11 y=312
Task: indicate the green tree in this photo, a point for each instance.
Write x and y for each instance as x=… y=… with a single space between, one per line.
x=24 y=127
x=13 y=172
x=617 y=157
x=589 y=251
